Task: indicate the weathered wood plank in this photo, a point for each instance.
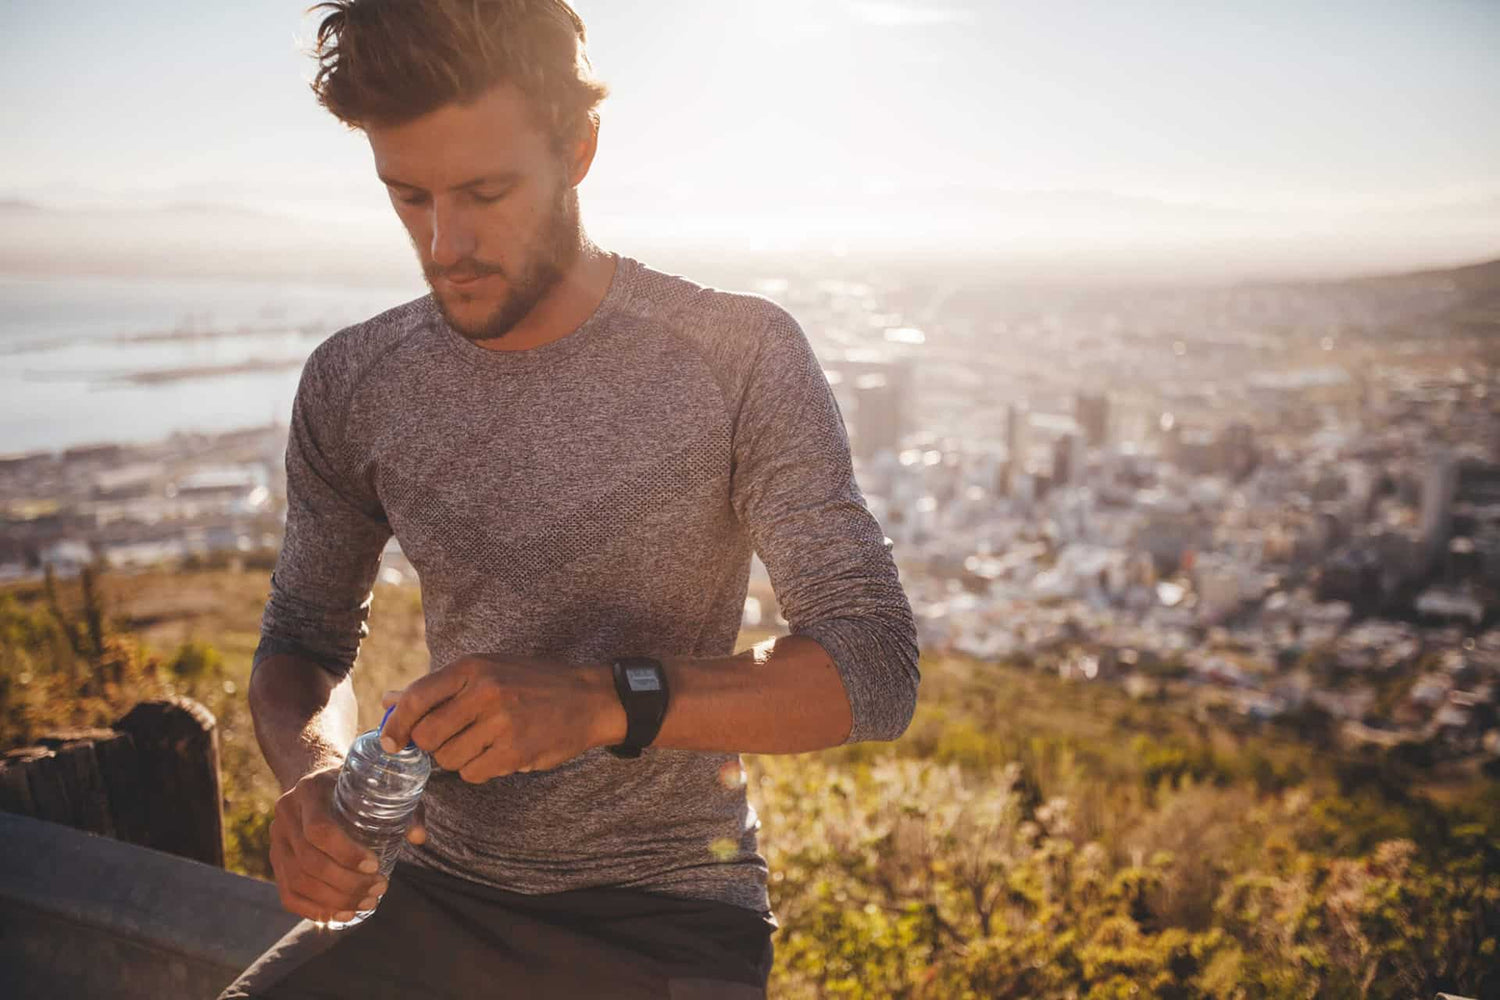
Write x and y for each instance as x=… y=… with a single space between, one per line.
x=120 y=769
x=177 y=747
x=47 y=780
x=58 y=737
x=90 y=802
x=78 y=768
x=153 y=780
x=15 y=791
x=106 y=789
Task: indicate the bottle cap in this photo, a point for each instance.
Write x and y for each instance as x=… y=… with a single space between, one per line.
x=387 y=715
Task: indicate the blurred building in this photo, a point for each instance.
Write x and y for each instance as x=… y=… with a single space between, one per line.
x=1092 y=412
x=1065 y=459
x=880 y=393
x=1239 y=451
x=1435 y=520
x=1016 y=443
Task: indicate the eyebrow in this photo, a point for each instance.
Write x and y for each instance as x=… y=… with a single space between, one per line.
x=503 y=178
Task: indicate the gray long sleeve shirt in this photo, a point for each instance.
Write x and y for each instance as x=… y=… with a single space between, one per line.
x=595 y=497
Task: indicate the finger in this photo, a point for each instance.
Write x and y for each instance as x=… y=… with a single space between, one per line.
x=496 y=762
x=325 y=833
x=292 y=856
x=390 y=698
x=324 y=895
x=316 y=869
x=464 y=746
x=293 y=878
x=416 y=827
x=317 y=865
x=448 y=721
x=294 y=902
x=417 y=700
x=547 y=761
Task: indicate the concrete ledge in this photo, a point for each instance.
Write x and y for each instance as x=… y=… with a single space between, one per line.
x=86 y=916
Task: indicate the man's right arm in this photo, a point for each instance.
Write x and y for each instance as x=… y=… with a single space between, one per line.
x=301 y=694
x=305 y=717
x=301 y=697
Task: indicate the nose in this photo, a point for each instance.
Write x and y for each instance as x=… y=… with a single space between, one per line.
x=453 y=238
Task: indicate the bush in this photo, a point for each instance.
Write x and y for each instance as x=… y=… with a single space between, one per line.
x=1027 y=838
x=196 y=661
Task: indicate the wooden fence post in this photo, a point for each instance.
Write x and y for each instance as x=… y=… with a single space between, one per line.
x=177 y=747
x=68 y=785
x=153 y=780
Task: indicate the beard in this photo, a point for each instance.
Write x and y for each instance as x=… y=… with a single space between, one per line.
x=552 y=252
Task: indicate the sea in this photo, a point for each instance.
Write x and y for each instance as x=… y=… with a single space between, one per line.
x=94 y=360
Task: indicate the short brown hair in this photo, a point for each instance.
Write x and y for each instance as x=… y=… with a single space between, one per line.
x=389 y=61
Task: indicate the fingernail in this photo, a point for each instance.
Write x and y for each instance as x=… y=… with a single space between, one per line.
x=346 y=915
x=388 y=743
x=379 y=888
x=369 y=866
x=368 y=903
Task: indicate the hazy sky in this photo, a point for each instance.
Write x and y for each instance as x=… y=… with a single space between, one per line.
x=785 y=109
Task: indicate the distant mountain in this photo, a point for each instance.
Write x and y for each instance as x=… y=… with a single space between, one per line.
x=211 y=208
x=146 y=209
x=1471 y=293
x=1052 y=236
x=1480 y=277
x=194 y=239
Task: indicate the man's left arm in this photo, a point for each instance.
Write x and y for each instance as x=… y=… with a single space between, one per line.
x=846 y=673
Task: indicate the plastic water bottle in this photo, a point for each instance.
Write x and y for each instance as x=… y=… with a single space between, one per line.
x=374 y=796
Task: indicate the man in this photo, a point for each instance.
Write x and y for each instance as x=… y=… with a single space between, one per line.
x=578 y=454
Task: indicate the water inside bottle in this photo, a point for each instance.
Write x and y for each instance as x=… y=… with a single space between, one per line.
x=374 y=796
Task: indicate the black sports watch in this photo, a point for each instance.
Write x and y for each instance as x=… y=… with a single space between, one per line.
x=642 y=685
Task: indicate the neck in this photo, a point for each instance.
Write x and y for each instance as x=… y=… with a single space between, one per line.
x=566 y=305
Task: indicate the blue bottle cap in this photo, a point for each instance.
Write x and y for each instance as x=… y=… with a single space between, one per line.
x=387 y=715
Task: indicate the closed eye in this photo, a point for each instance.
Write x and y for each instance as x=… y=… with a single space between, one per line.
x=420 y=197
x=487 y=198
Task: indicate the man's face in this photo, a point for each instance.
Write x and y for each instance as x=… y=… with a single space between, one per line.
x=488 y=203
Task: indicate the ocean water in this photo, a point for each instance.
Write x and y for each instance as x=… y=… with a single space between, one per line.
x=87 y=360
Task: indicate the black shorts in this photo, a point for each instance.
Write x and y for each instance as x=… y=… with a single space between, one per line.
x=435 y=935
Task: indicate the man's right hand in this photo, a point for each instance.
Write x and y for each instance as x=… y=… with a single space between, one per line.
x=321 y=871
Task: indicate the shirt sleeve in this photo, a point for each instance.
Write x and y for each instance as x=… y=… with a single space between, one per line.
x=336 y=530
x=829 y=560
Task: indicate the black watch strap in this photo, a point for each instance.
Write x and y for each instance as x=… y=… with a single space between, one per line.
x=642 y=685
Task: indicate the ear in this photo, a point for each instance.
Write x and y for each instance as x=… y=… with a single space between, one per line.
x=581 y=152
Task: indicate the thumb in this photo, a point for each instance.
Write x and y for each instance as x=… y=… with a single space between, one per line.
x=416 y=827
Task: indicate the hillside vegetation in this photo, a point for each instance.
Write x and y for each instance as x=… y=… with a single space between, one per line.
x=1028 y=837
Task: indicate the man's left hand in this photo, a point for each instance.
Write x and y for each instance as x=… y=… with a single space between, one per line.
x=489 y=716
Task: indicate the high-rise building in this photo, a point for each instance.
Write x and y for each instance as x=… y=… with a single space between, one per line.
x=1239 y=450
x=1016 y=442
x=882 y=394
x=1092 y=412
x=1479 y=483
x=1435 y=520
x=1064 y=459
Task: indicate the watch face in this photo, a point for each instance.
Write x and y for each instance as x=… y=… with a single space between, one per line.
x=642 y=679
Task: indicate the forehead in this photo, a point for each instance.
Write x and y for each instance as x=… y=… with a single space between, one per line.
x=458 y=142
